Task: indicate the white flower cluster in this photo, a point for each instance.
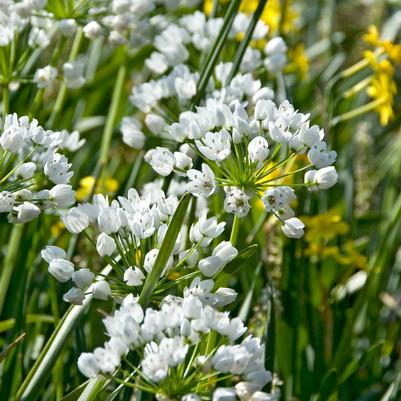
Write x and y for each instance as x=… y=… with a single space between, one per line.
x=15 y=16
x=248 y=153
x=130 y=233
x=129 y=22
x=34 y=175
x=175 y=336
x=175 y=41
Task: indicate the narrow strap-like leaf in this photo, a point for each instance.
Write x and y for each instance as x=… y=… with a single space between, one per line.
x=214 y=53
x=165 y=250
x=245 y=42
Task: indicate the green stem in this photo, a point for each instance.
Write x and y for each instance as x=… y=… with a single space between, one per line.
x=6 y=99
x=234 y=231
x=112 y=114
x=357 y=112
x=9 y=262
x=63 y=89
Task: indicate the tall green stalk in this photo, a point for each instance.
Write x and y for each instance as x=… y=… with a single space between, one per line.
x=9 y=261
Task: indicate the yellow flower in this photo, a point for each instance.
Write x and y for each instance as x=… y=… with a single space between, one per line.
x=298 y=61
x=271 y=16
x=372 y=36
x=324 y=227
x=108 y=185
x=208 y=5
x=57 y=228
x=382 y=87
x=393 y=50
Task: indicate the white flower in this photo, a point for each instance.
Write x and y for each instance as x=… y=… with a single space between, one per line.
x=324 y=178
x=150 y=259
x=161 y=160
x=74 y=296
x=27 y=212
x=154 y=367
x=222 y=254
x=236 y=201
x=61 y=269
x=26 y=170
x=224 y=394
x=75 y=220
x=101 y=290
x=319 y=156
x=265 y=109
x=83 y=278
x=260 y=377
x=310 y=135
x=215 y=145
x=68 y=26
x=258 y=150
x=155 y=123
x=278 y=198
x=105 y=245
x=157 y=63
x=262 y=396
x=56 y=168
x=52 y=252
x=134 y=276
x=92 y=30
x=263 y=93
x=62 y=196
x=202 y=183
x=205 y=230
x=185 y=87
x=7 y=201
x=132 y=134
x=108 y=220
x=245 y=390
x=190 y=397
x=276 y=50
x=45 y=76
x=192 y=307
x=293 y=228
x=224 y=296
x=87 y=364
x=182 y=161
x=12 y=138
x=73 y=74
x=116 y=39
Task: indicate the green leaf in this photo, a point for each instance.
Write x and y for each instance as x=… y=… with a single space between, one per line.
x=74 y=394
x=245 y=42
x=43 y=366
x=93 y=388
x=329 y=386
x=215 y=51
x=232 y=268
x=166 y=249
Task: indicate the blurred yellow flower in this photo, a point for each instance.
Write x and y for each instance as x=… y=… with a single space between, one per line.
x=393 y=50
x=372 y=37
x=57 y=228
x=382 y=87
x=298 y=61
x=325 y=227
x=271 y=16
x=108 y=185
